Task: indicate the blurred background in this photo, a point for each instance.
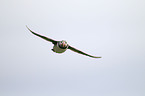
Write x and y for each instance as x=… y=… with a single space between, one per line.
x=113 y=29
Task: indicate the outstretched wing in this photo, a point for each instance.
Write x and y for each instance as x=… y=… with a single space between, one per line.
x=78 y=51
x=43 y=37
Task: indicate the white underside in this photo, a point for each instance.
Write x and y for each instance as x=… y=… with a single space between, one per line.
x=57 y=49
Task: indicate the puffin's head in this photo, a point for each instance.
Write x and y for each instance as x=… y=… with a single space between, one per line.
x=63 y=44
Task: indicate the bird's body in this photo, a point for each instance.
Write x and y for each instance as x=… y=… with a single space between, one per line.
x=61 y=46
x=57 y=49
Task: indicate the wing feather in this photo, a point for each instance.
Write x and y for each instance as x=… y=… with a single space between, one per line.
x=83 y=53
x=43 y=37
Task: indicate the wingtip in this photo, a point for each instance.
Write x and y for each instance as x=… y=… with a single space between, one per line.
x=29 y=29
x=97 y=57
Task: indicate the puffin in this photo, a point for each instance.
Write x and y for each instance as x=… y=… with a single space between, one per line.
x=61 y=46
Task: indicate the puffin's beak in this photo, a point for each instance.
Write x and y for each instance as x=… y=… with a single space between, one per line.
x=63 y=44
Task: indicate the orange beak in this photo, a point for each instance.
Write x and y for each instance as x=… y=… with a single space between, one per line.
x=63 y=44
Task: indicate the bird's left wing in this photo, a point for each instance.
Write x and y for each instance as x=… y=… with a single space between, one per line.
x=43 y=37
x=83 y=53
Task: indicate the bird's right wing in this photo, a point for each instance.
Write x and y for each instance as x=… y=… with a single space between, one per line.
x=43 y=37
x=83 y=53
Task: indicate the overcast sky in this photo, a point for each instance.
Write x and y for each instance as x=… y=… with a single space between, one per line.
x=113 y=29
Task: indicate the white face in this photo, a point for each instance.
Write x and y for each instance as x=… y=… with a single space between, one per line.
x=63 y=44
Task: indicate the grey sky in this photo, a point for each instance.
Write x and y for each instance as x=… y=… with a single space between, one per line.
x=113 y=29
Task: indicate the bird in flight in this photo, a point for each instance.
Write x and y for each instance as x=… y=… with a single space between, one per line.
x=61 y=46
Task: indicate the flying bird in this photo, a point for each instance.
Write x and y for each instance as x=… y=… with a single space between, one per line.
x=61 y=46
